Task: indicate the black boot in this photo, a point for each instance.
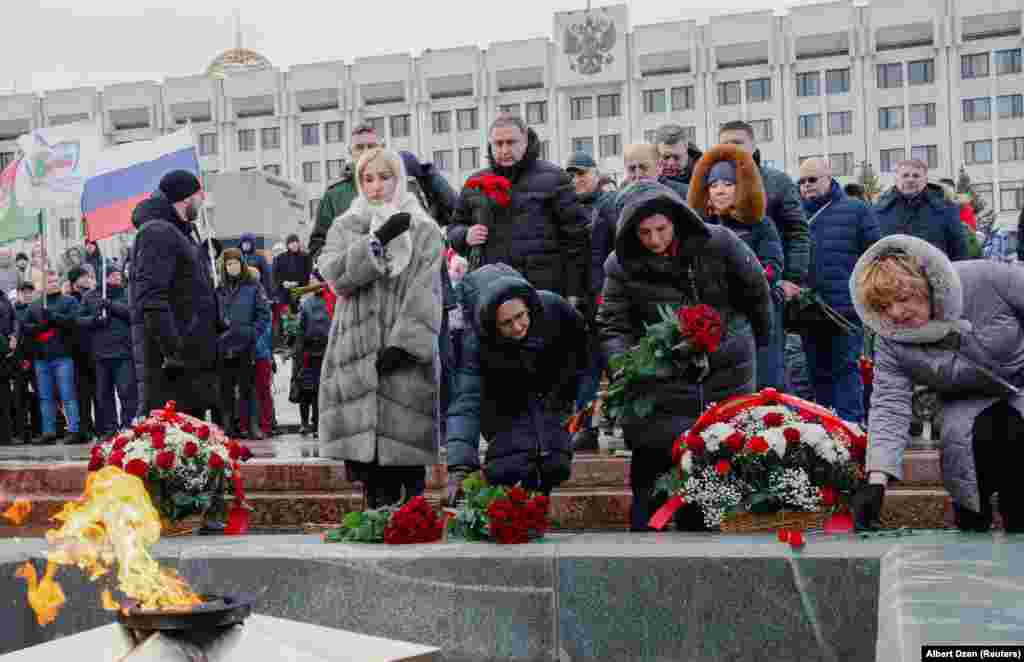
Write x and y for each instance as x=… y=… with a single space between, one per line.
x=586 y=441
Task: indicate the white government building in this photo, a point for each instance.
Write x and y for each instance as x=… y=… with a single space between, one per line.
x=938 y=80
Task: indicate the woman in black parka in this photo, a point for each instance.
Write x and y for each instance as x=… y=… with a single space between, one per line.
x=666 y=255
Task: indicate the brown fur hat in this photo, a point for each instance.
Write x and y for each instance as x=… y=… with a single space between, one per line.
x=750 y=196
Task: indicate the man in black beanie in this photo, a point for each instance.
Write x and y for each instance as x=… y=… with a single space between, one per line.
x=175 y=313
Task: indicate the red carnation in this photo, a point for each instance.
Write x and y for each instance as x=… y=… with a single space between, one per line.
x=203 y=432
x=796 y=539
x=723 y=467
x=735 y=441
x=96 y=463
x=165 y=460
x=120 y=442
x=695 y=443
x=234 y=450
x=216 y=462
x=517 y=495
x=783 y=535
x=188 y=428
x=137 y=467
x=191 y=448
x=828 y=495
x=773 y=419
x=116 y=459
x=792 y=435
x=758 y=445
x=158 y=438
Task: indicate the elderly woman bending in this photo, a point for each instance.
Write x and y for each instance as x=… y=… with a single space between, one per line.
x=956 y=328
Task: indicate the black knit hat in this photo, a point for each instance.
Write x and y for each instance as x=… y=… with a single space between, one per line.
x=292 y=237
x=178 y=185
x=21 y=256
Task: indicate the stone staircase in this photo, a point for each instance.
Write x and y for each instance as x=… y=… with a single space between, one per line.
x=311 y=494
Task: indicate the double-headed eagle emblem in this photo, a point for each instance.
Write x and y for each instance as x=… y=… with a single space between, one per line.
x=589 y=43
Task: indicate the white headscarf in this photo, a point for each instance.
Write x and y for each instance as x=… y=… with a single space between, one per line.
x=398 y=251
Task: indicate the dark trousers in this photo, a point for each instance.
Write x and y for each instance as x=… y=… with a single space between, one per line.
x=385 y=485
x=28 y=421
x=998 y=433
x=85 y=385
x=236 y=381
x=6 y=407
x=115 y=375
x=832 y=361
x=305 y=408
x=646 y=465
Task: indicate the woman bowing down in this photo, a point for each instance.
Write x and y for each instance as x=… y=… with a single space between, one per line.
x=379 y=385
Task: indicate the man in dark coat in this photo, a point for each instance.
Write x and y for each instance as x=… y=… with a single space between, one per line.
x=291 y=269
x=676 y=158
x=107 y=321
x=8 y=344
x=51 y=323
x=919 y=209
x=600 y=209
x=83 y=281
x=784 y=209
x=247 y=311
x=175 y=313
x=340 y=194
x=842 y=228
x=94 y=258
x=545 y=232
x=522 y=356
x=666 y=255
x=27 y=416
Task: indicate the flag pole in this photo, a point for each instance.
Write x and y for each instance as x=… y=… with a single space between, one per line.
x=204 y=221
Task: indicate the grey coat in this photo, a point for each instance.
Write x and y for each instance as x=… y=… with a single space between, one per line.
x=364 y=416
x=977 y=305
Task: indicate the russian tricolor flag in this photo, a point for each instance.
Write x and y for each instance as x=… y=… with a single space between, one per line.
x=127 y=174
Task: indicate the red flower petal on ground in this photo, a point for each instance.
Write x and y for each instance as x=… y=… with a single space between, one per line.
x=165 y=460
x=137 y=467
x=758 y=445
x=116 y=459
x=96 y=463
x=792 y=435
x=735 y=441
x=216 y=462
x=246 y=454
x=783 y=535
x=723 y=467
x=828 y=495
x=796 y=539
x=773 y=419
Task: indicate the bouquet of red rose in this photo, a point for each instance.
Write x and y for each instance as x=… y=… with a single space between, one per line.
x=486 y=194
x=415 y=522
x=679 y=344
x=186 y=464
x=506 y=515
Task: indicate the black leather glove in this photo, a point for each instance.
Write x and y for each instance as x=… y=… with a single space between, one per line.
x=867 y=507
x=455 y=477
x=393 y=227
x=393 y=359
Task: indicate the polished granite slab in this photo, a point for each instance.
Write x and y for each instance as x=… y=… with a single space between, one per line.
x=574 y=597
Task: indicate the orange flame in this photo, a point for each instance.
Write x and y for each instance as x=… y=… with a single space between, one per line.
x=45 y=597
x=113 y=522
x=18 y=512
x=109 y=603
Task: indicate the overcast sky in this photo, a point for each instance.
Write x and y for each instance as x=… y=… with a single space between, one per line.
x=58 y=44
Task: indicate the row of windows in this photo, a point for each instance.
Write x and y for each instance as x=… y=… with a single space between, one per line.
x=888 y=158
x=980 y=109
x=980 y=151
x=978 y=65
x=1011 y=194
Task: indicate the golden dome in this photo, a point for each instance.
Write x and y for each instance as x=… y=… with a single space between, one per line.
x=236 y=60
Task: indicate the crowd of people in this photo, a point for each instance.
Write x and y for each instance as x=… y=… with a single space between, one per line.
x=433 y=318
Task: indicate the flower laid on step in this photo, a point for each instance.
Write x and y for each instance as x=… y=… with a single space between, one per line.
x=677 y=345
x=410 y=523
x=186 y=463
x=506 y=515
x=762 y=454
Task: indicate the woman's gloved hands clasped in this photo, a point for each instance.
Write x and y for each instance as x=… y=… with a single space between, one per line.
x=393 y=359
x=393 y=227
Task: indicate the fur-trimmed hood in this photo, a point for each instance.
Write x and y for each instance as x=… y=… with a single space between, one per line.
x=485 y=289
x=943 y=280
x=750 y=194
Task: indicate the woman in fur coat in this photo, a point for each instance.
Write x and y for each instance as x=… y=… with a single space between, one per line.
x=379 y=386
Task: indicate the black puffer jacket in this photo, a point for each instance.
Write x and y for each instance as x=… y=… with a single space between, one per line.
x=784 y=209
x=515 y=392
x=110 y=335
x=172 y=285
x=727 y=276
x=544 y=234
x=52 y=328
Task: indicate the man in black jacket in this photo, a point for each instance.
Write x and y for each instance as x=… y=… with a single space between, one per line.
x=8 y=343
x=291 y=269
x=107 y=321
x=27 y=417
x=175 y=313
x=544 y=233
x=83 y=281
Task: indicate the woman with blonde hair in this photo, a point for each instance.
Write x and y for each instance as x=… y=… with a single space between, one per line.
x=379 y=385
x=956 y=328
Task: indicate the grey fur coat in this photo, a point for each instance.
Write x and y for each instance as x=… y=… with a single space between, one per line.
x=977 y=306
x=364 y=416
